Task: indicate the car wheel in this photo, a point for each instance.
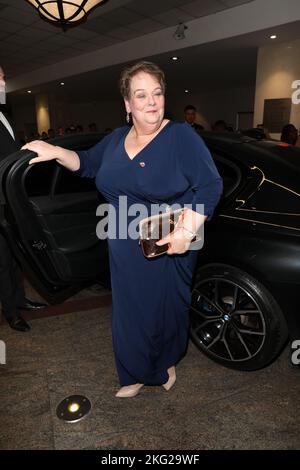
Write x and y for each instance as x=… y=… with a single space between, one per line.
x=234 y=318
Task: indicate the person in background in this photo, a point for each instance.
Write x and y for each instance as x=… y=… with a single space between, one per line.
x=44 y=136
x=264 y=130
x=12 y=294
x=190 y=117
x=51 y=133
x=93 y=127
x=79 y=128
x=289 y=134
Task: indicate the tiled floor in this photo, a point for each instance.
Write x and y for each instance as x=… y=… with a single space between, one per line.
x=210 y=407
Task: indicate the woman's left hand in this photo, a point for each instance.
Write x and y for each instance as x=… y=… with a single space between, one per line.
x=177 y=240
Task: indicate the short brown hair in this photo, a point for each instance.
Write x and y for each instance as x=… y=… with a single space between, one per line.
x=143 y=66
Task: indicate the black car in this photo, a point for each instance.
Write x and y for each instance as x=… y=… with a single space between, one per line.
x=245 y=294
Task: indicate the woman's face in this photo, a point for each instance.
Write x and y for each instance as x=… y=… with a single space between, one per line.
x=146 y=102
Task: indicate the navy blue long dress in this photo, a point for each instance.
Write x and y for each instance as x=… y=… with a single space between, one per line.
x=151 y=297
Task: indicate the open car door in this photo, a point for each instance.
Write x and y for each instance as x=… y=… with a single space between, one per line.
x=48 y=215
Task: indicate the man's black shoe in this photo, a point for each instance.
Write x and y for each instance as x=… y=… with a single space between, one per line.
x=19 y=324
x=30 y=305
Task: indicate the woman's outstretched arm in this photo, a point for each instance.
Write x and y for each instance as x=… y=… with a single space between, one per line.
x=45 y=152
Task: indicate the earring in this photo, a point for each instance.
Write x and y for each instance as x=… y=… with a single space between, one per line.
x=127 y=118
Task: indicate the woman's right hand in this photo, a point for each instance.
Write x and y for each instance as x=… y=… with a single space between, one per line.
x=46 y=152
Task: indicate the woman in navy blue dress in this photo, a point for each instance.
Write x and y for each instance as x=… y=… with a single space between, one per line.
x=155 y=161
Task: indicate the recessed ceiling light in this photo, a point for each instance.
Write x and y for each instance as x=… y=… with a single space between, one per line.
x=273 y=36
x=175 y=58
x=62 y=83
x=186 y=91
x=28 y=91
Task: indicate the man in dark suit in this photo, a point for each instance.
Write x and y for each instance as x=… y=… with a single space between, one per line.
x=12 y=295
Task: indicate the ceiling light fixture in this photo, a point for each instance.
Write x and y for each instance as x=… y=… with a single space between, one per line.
x=179 y=33
x=62 y=83
x=65 y=13
x=273 y=36
x=28 y=91
x=175 y=58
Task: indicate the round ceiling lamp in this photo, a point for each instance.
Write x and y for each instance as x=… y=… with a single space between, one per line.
x=65 y=13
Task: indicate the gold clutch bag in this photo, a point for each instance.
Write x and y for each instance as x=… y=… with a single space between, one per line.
x=152 y=229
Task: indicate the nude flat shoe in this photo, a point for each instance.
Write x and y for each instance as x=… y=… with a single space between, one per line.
x=129 y=391
x=172 y=379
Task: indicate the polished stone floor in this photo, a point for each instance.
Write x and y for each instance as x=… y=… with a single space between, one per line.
x=69 y=351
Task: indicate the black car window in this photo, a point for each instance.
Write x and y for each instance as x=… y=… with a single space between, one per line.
x=66 y=182
x=40 y=178
x=230 y=173
x=50 y=179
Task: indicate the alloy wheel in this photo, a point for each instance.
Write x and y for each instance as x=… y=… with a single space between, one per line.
x=226 y=320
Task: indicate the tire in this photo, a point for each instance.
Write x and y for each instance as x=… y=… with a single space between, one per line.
x=234 y=319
